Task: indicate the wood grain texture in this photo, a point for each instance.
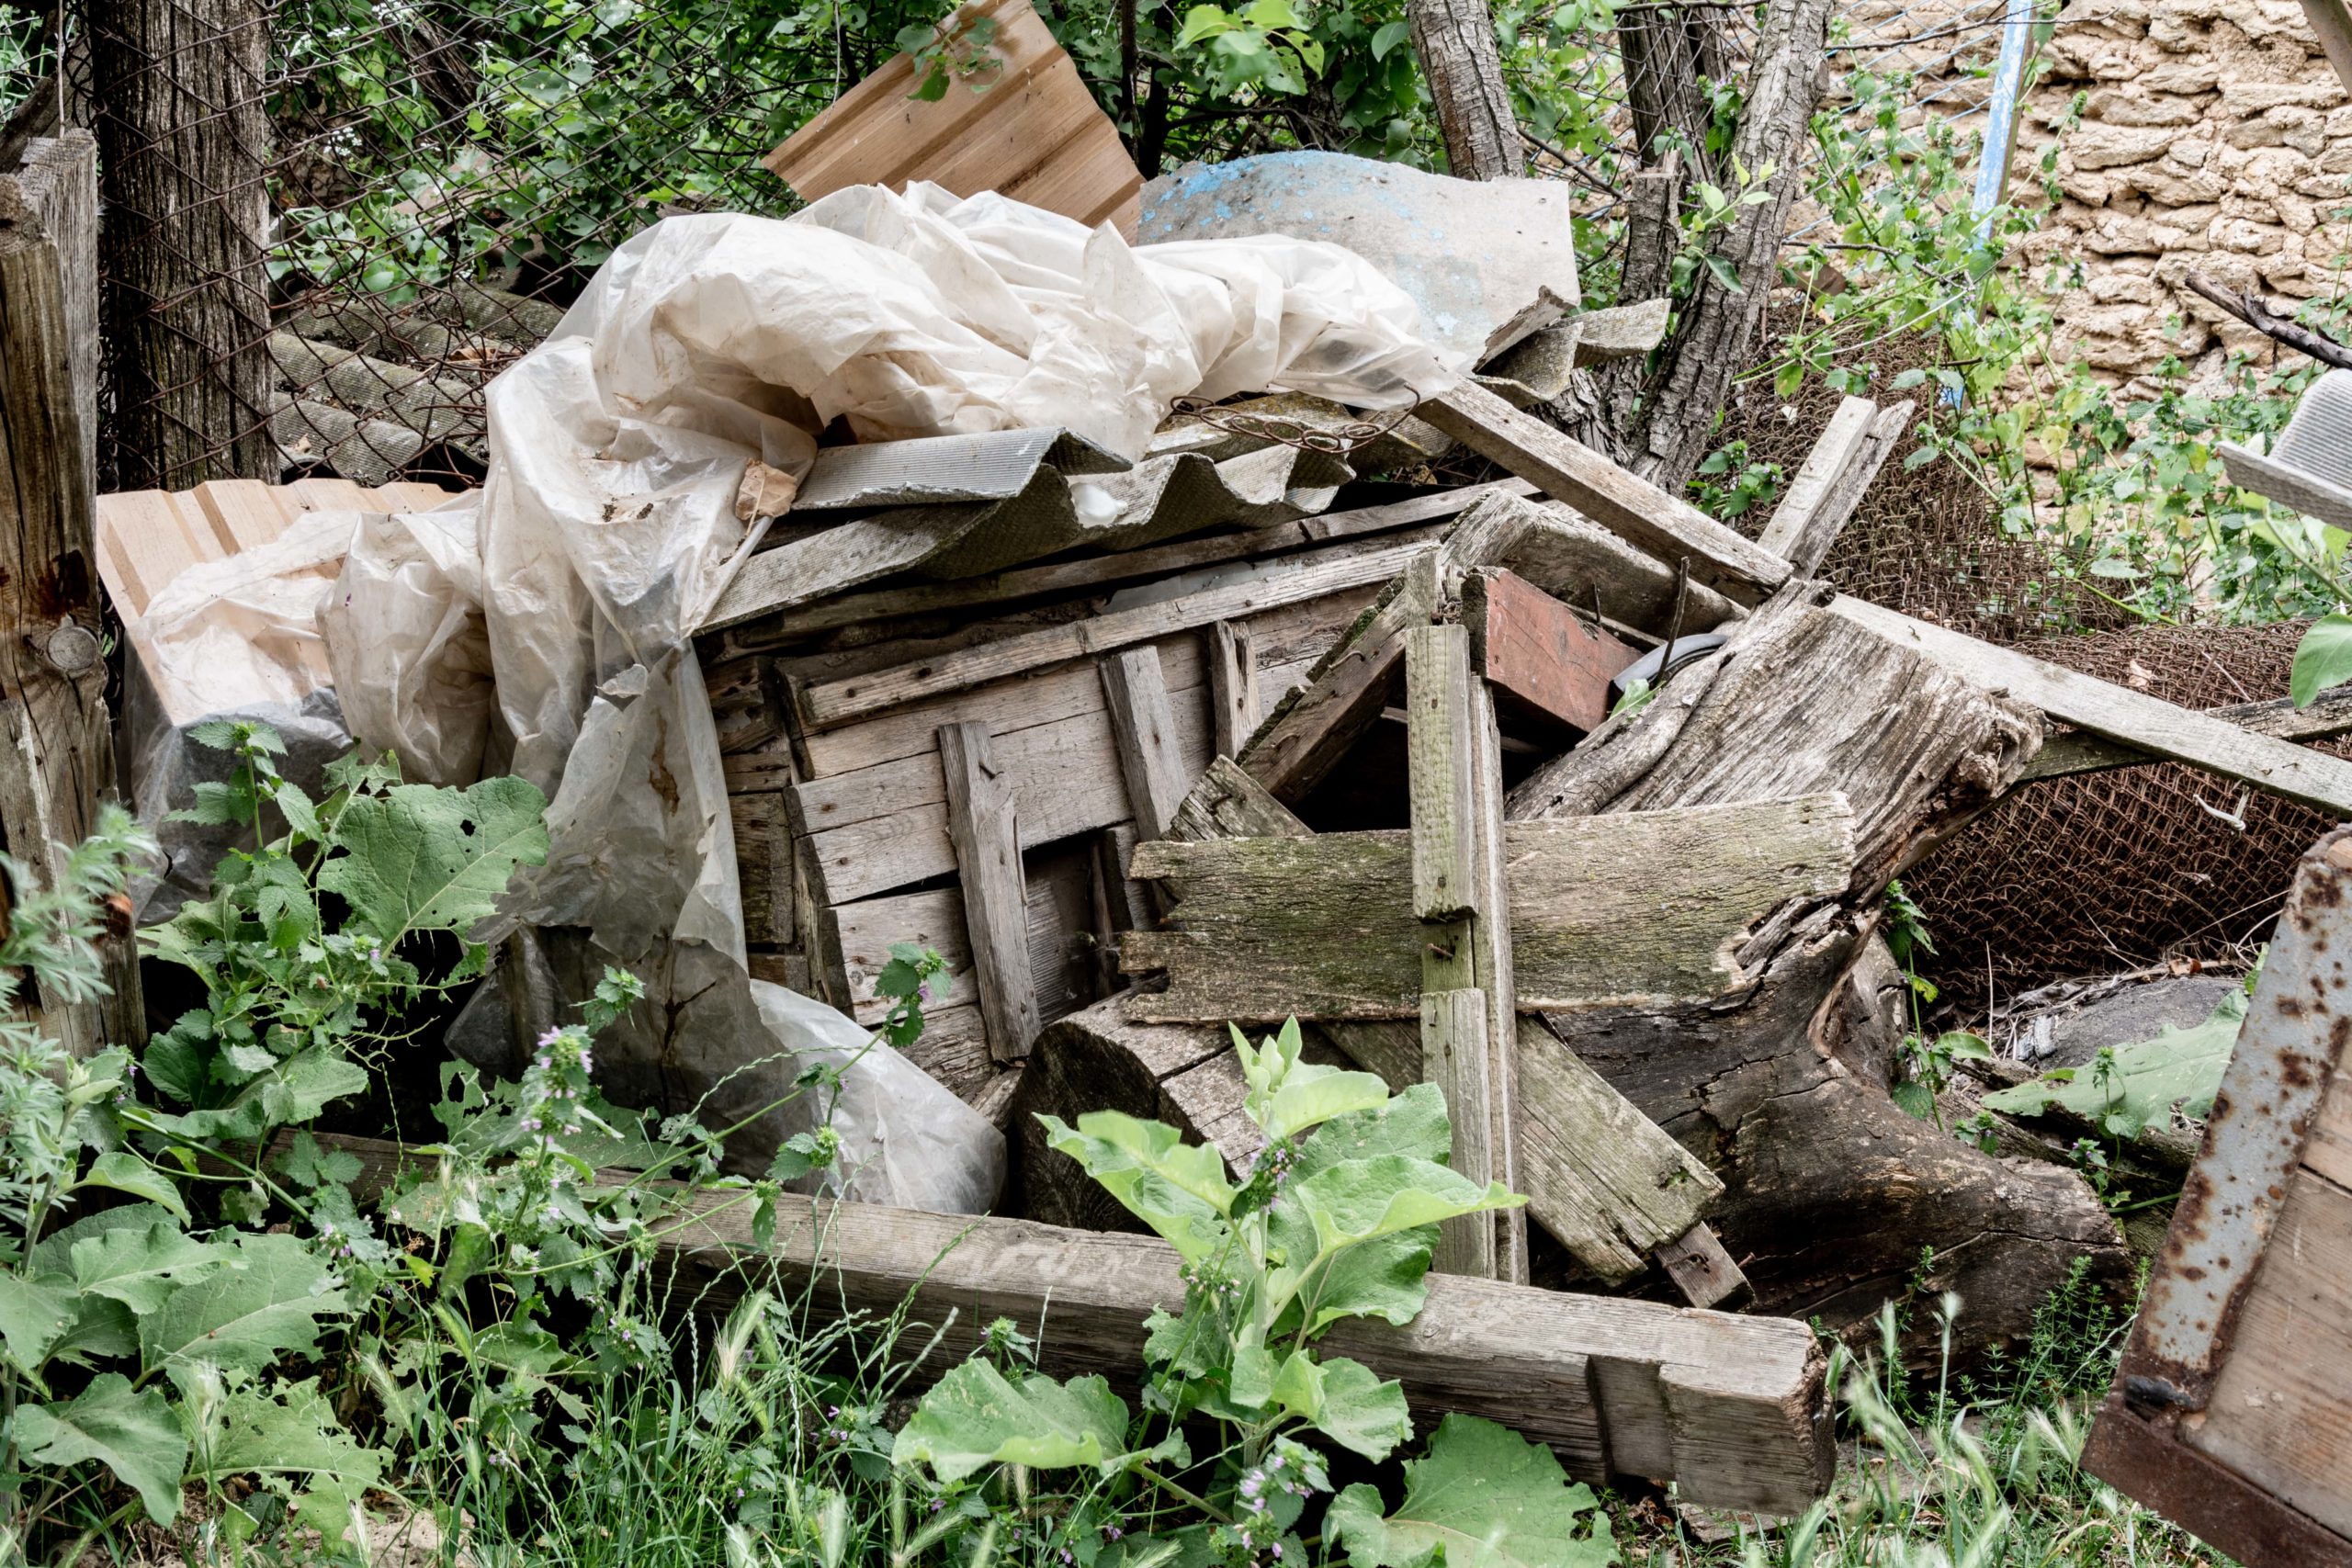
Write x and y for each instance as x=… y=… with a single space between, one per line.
x=763 y=869
x=1155 y=563
x=1457 y=1056
x=1583 y=564
x=1232 y=656
x=1538 y=651
x=988 y=866
x=1144 y=735
x=829 y=703
x=2281 y=1408
x=1705 y=1273
x=2119 y=714
x=2329 y=715
x=1809 y=699
x=1440 y=750
x=1887 y=429
x=1322 y=927
x=1454 y=41
x=1564 y=468
x=57 y=758
x=1790 y=533
x=2329 y=1151
x=1308 y=732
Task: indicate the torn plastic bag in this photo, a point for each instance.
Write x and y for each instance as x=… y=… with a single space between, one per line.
x=229 y=639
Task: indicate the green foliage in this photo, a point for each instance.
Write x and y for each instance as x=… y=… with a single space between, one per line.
x=1336 y=1220
x=2322 y=658
x=1482 y=1497
x=2131 y=1088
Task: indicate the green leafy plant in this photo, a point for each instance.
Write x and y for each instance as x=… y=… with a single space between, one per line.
x=310 y=946
x=2130 y=1088
x=1335 y=1219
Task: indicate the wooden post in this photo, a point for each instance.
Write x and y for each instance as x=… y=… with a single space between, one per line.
x=56 y=737
x=177 y=89
x=1233 y=686
x=987 y=862
x=1144 y=729
x=1469 y=1015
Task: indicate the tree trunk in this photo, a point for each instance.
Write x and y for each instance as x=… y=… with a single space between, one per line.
x=1658 y=418
x=1455 y=40
x=177 y=98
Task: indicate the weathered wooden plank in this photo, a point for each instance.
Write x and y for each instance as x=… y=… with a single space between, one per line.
x=1441 y=764
x=1539 y=651
x=1144 y=732
x=1579 y=561
x=988 y=863
x=1233 y=686
x=763 y=869
x=1288 y=581
x=1456 y=1056
x=2119 y=714
x=1307 y=734
x=1844 y=497
x=1788 y=534
x=1705 y=1272
x=1153 y=564
x=1322 y=927
x=1226 y=803
x=56 y=735
x=2281 y=1408
x=2329 y=1151
x=2329 y=715
x=1562 y=467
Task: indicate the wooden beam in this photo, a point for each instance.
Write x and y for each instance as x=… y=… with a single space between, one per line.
x=827 y=705
x=1322 y=928
x=1468 y=1014
x=1790 y=530
x=1144 y=729
x=2329 y=715
x=988 y=865
x=1538 y=651
x=1233 y=686
x=1307 y=734
x=1669 y=527
x=1845 y=497
x=1733 y=1409
x=2119 y=714
x=1703 y=1271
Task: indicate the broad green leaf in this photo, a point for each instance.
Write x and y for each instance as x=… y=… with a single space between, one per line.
x=1484 y=1497
x=34 y=1315
x=1346 y=1401
x=1251 y=1384
x=976 y=1417
x=295 y=1091
x=418 y=858
x=1357 y=1200
x=1196 y=1169
x=123 y=1171
x=1387 y=1279
x=1413 y=1124
x=1388 y=36
x=292 y=1431
x=1186 y=1222
x=1268 y=14
x=2179 y=1069
x=2323 y=660
x=265 y=1307
x=1203 y=22
x=131 y=1433
x=140 y=1267
x=1916 y=1100
x=1311 y=1095
x=103 y=1330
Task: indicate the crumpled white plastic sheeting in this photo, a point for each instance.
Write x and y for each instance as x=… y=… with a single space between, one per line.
x=607 y=527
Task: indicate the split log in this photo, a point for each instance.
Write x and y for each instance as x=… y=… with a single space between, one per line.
x=1831 y=1191
x=1733 y=1410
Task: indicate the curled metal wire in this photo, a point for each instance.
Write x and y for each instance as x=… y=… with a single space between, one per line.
x=1338 y=440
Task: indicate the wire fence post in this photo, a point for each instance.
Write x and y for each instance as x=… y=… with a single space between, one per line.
x=178 y=97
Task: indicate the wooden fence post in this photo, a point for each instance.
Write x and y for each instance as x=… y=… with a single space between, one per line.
x=177 y=102
x=56 y=738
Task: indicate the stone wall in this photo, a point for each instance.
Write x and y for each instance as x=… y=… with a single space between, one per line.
x=2213 y=138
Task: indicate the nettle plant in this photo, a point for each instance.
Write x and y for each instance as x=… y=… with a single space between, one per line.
x=1336 y=1221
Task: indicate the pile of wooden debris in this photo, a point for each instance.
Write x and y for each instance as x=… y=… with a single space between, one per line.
x=1554 y=790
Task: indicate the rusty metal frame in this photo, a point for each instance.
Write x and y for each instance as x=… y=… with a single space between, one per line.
x=2292 y=1045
